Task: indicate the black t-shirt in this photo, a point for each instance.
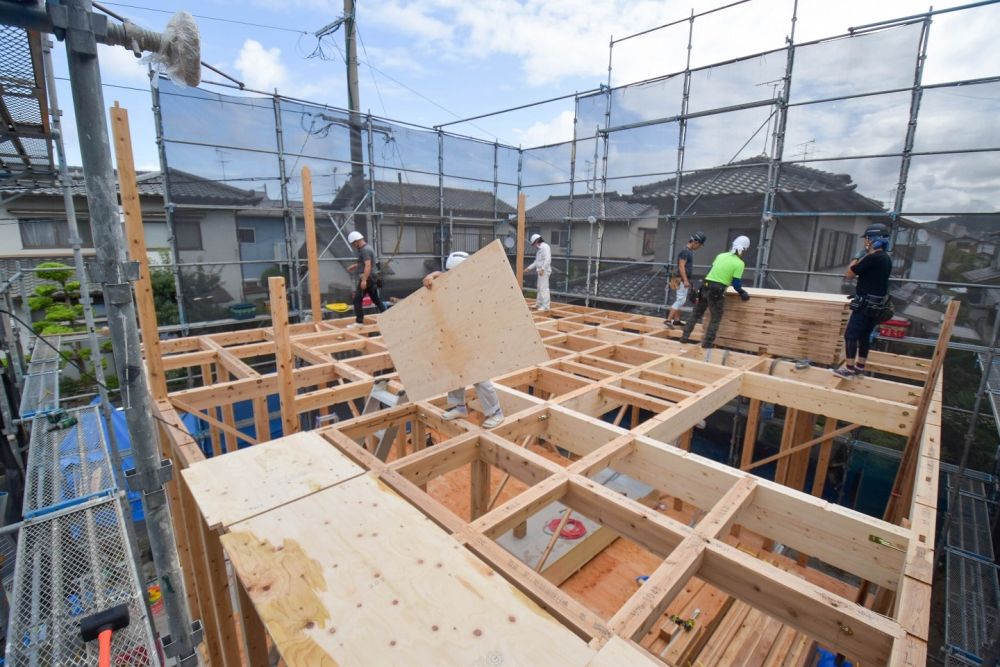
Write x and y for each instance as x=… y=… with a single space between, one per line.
x=873 y=271
x=688 y=258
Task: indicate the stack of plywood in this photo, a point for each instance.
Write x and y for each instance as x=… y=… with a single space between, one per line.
x=783 y=323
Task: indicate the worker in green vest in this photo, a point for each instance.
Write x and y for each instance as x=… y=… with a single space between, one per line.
x=727 y=269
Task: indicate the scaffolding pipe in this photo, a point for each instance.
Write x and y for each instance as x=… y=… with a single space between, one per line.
x=168 y=206
x=96 y=358
x=286 y=212
x=151 y=471
x=678 y=174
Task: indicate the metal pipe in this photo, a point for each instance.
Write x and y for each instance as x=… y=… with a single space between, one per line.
x=927 y=14
x=681 y=146
x=440 y=175
x=96 y=357
x=88 y=98
x=293 y=264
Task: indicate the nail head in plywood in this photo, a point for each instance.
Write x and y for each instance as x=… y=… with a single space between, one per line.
x=377 y=583
x=250 y=481
x=472 y=325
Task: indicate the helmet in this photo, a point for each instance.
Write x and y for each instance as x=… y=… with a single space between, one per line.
x=699 y=237
x=355 y=236
x=741 y=244
x=454 y=259
x=876 y=230
x=534 y=238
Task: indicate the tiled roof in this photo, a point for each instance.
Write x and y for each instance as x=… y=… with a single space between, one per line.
x=556 y=208
x=185 y=189
x=413 y=198
x=800 y=188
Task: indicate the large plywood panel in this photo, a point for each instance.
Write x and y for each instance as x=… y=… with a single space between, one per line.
x=237 y=486
x=472 y=326
x=355 y=575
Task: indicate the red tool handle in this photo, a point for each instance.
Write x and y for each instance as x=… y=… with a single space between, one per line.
x=104 y=648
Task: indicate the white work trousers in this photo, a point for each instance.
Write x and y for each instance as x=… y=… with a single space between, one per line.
x=486 y=394
x=542 y=298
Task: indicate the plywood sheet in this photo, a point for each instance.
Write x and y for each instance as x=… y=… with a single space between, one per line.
x=620 y=652
x=355 y=575
x=254 y=480
x=472 y=326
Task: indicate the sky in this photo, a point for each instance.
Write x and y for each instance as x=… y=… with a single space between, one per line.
x=434 y=61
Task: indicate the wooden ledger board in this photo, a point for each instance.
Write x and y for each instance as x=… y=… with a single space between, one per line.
x=472 y=326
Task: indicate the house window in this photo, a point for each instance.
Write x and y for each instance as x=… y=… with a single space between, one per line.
x=188 y=234
x=922 y=253
x=406 y=239
x=246 y=235
x=559 y=238
x=470 y=239
x=648 y=238
x=47 y=233
x=835 y=249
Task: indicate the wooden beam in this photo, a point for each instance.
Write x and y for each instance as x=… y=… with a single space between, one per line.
x=312 y=256
x=283 y=355
x=823 y=460
x=225 y=428
x=826 y=437
x=750 y=433
x=521 y=241
x=144 y=303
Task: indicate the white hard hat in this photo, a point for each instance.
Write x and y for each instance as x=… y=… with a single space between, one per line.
x=534 y=237
x=355 y=236
x=454 y=259
x=741 y=243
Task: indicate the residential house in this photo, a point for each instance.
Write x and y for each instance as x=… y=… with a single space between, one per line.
x=628 y=229
x=918 y=251
x=411 y=235
x=205 y=228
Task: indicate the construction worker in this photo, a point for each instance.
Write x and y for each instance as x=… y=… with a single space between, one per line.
x=485 y=392
x=727 y=269
x=543 y=266
x=685 y=265
x=872 y=267
x=364 y=270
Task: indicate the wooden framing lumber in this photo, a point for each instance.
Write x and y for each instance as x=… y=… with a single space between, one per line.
x=283 y=355
x=599 y=366
x=145 y=307
x=312 y=257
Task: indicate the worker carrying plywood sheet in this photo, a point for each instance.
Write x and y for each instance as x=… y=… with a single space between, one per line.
x=485 y=392
x=472 y=325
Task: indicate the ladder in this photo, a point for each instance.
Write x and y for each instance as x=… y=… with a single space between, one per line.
x=381 y=398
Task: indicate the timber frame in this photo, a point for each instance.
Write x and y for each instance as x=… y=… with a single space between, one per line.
x=601 y=362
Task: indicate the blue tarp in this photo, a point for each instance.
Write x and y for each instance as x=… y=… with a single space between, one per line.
x=242 y=412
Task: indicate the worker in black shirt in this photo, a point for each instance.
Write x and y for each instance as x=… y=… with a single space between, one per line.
x=872 y=267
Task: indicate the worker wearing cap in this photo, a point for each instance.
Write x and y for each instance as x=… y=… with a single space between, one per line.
x=364 y=270
x=685 y=263
x=543 y=266
x=727 y=269
x=872 y=267
x=485 y=392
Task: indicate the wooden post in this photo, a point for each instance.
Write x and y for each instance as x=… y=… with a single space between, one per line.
x=283 y=355
x=750 y=433
x=137 y=252
x=823 y=462
x=519 y=262
x=902 y=487
x=254 y=634
x=480 y=488
x=311 y=254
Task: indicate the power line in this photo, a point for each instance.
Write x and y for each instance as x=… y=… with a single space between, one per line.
x=211 y=18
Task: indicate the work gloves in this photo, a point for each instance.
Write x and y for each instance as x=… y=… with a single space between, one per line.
x=744 y=295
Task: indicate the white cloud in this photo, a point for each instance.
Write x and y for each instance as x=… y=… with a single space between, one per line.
x=119 y=65
x=260 y=67
x=544 y=132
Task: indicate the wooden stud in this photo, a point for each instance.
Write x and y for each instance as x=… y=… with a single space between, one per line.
x=521 y=240
x=137 y=252
x=283 y=355
x=311 y=251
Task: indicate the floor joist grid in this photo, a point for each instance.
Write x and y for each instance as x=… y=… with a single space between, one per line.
x=601 y=363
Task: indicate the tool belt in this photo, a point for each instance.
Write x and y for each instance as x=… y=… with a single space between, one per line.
x=877 y=307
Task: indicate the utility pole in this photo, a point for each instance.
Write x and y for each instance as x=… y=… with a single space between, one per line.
x=356 y=181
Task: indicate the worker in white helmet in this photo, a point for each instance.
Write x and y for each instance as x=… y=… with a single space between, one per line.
x=485 y=392
x=367 y=282
x=543 y=266
x=727 y=269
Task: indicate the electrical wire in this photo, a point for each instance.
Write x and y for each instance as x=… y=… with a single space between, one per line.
x=211 y=18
